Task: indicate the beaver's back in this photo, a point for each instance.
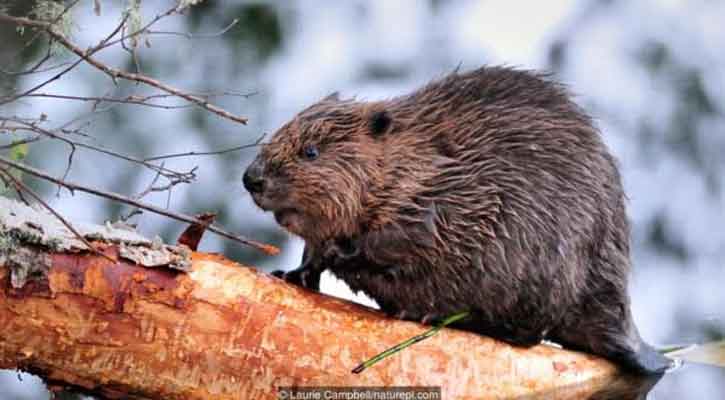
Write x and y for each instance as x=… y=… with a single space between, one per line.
x=514 y=183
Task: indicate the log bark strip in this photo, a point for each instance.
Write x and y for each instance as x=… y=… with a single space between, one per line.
x=223 y=331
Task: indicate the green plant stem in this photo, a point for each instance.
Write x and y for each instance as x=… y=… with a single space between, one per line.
x=415 y=339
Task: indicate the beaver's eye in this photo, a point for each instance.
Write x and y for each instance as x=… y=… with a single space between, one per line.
x=310 y=152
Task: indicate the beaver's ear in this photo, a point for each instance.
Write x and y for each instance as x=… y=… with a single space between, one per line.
x=380 y=122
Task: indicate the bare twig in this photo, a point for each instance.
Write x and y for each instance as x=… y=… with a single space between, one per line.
x=55 y=77
x=197 y=35
x=181 y=177
x=119 y=27
x=34 y=70
x=20 y=142
x=150 y=188
x=9 y=184
x=207 y=153
x=72 y=186
x=22 y=187
x=143 y=29
x=133 y=99
x=138 y=99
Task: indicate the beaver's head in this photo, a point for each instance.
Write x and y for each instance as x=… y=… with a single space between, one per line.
x=318 y=172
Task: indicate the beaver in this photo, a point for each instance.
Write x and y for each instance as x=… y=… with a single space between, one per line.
x=488 y=191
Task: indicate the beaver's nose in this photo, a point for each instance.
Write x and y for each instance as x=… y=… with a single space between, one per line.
x=254 y=177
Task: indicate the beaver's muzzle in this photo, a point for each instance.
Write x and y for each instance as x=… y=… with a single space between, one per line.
x=254 y=177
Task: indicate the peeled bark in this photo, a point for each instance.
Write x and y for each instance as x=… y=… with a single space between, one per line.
x=224 y=331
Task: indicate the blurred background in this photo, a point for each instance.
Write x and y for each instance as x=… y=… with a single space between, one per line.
x=652 y=73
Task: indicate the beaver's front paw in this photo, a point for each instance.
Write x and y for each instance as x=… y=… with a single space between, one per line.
x=302 y=277
x=278 y=274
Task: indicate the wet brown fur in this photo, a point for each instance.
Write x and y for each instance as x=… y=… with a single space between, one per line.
x=488 y=191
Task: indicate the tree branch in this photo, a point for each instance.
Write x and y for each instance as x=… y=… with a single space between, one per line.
x=207 y=153
x=72 y=186
x=114 y=73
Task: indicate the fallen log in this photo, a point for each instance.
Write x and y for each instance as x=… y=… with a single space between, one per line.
x=213 y=329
